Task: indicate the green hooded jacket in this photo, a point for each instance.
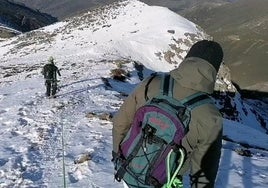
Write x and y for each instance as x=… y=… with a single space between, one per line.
x=203 y=141
x=50 y=71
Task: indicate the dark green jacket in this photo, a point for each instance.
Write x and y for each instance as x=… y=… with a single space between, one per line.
x=50 y=72
x=203 y=141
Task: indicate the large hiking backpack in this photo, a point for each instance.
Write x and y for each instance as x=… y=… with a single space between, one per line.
x=151 y=154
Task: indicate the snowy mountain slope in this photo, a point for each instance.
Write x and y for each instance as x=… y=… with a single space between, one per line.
x=67 y=141
x=248 y=112
x=127 y=27
x=235 y=107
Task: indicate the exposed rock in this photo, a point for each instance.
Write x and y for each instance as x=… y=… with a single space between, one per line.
x=106 y=82
x=171 y=31
x=224 y=80
x=119 y=74
x=82 y=158
x=244 y=152
x=101 y=116
x=168 y=56
x=139 y=67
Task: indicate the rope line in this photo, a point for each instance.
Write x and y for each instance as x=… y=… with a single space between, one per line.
x=63 y=157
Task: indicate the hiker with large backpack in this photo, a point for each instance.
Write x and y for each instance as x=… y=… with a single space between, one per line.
x=169 y=125
x=50 y=71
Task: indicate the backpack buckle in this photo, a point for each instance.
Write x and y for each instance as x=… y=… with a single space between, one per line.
x=149 y=133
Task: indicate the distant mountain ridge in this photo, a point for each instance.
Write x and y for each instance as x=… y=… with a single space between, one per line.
x=64 y=8
x=241 y=28
x=22 y=18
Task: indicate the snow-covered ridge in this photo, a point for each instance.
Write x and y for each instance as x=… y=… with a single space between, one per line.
x=132 y=30
x=2 y=26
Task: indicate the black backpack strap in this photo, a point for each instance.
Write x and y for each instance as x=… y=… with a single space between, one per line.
x=147 y=85
x=196 y=99
x=164 y=84
x=167 y=84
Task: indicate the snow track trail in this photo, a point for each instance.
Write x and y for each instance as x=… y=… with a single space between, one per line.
x=49 y=126
x=81 y=135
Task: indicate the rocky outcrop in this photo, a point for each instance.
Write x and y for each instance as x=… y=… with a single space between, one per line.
x=224 y=80
x=237 y=106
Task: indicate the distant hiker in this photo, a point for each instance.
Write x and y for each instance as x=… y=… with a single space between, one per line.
x=50 y=72
x=202 y=143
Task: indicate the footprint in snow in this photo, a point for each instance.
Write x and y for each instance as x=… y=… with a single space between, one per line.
x=23 y=111
x=22 y=121
x=72 y=177
x=3 y=111
x=3 y=162
x=2 y=97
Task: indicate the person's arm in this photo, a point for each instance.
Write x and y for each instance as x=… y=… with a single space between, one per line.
x=122 y=120
x=43 y=70
x=58 y=71
x=203 y=144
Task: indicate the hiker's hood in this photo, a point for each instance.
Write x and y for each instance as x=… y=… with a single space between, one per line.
x=196 y=74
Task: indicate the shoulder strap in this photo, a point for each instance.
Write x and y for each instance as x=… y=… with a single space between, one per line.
x=191 y=101
x=196 y=99
x=167 y=83
x=147 y=85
